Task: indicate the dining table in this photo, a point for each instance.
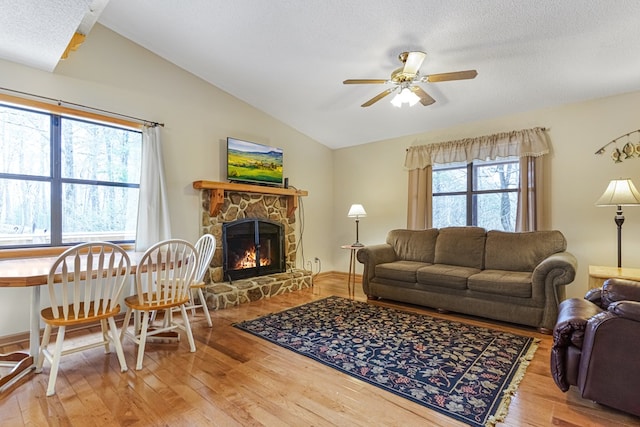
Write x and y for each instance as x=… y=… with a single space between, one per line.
x=32 y=273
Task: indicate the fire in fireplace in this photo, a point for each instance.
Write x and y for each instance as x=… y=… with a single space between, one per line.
x=250 y=259
x=252 y=247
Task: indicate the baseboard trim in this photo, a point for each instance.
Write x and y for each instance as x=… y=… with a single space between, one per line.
x=336 y=275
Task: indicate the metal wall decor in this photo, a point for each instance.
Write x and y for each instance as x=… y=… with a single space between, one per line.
x=628 y=151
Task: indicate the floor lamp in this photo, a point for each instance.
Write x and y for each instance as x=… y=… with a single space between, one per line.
x=619 y=193
x=356 y=212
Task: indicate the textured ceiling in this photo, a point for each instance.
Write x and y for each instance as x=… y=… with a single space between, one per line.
x=37 y=32
x=288 y=58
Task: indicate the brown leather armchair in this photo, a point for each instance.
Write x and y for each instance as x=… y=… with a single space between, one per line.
x=596 y=345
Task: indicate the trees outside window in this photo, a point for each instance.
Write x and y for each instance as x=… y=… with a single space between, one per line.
x=481 y=193
x=65 y=180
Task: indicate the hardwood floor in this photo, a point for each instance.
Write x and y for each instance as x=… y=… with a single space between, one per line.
x=236 y=379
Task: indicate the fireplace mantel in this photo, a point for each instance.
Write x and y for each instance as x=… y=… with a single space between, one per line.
x=217 y=190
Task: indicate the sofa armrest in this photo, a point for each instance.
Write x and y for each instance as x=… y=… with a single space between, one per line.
x=371 y=256
x=573 y=316
x=619 y=290
x=561 y=266
x=626 y=309
x=548 y=280
x=595 y=296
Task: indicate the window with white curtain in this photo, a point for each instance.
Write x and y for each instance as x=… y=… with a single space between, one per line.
x=480 y=193
x=66 y=180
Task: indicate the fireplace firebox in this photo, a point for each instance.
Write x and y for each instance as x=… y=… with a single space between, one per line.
x=252 y=247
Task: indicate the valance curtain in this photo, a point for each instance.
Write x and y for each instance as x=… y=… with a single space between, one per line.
x=153 y=223
x=528 y=145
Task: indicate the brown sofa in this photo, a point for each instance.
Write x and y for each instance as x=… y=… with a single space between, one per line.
x=512 y=277
x=596 y=345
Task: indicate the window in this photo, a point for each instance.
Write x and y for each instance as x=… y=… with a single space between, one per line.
x=481 y=193
x=65 y=180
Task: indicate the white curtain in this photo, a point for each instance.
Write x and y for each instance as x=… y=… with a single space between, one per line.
x=529 y=145
x=153 y=204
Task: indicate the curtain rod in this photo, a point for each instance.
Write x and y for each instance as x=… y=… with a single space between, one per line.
x=59 y=102
x=601 y=149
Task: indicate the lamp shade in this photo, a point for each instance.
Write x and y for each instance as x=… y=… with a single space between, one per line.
x=356 y=211
x=620 y=192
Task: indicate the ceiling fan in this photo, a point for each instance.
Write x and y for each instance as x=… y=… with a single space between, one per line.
x=405 y=79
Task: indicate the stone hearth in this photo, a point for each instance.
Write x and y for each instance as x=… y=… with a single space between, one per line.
x=255 y=202
x=224 y=295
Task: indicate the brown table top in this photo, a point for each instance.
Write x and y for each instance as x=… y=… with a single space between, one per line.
x=25 y=272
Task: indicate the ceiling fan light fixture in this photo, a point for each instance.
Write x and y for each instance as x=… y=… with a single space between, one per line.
x=406 y=96
x=404 y=79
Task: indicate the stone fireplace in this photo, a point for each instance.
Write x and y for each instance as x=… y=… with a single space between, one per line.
x=246 y=213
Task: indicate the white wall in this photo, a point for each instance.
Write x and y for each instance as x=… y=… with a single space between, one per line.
x=111 y=73
x=373 y=174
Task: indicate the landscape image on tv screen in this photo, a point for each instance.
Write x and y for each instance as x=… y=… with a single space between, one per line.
x=254 y=163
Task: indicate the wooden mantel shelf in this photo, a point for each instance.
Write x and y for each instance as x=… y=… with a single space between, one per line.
x=218 y=189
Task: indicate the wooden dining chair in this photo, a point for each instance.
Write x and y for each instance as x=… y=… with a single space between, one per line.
x=85 y=284
x=206 y=246
x=163 y=281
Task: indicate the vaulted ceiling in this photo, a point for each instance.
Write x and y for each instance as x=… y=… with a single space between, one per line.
x=289 y=58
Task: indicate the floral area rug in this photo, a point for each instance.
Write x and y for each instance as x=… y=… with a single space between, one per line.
x=466 y=372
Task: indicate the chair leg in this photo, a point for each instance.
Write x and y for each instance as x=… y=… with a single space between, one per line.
x=203 y=304
x=105 y=335
x=55 y=363
x=45 y=343
x=136 y=322
x=167 y=319
x=142 y=339
x=187 y=329
x=113 y=336
x=125 y=324
x=192 y=303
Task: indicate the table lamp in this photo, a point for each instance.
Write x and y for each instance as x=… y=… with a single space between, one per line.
x=356 y=211
x=620 y=192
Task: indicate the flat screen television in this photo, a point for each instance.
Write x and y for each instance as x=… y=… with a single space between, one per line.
x=249 y=162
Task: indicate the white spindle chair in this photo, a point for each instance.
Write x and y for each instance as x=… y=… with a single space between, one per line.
x=85 y=284
x=163 y=281
x=206 y=246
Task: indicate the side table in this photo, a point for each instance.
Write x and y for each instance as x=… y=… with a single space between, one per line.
x=351 y=279
x=598 y=274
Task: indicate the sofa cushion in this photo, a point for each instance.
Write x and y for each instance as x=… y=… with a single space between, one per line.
x=462 y=246
x=501 y=282
x=414 y=245
x=404 y=271
x=521 y=251
x=447 y=276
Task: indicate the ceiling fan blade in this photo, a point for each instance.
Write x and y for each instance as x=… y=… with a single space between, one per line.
x=378 y=97
x=456 y=75
x=413 y=62
x=363 y=81
x=425 y=98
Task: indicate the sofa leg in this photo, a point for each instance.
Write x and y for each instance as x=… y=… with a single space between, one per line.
x=442 y=311
x=545 y=331
x=372 y=298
